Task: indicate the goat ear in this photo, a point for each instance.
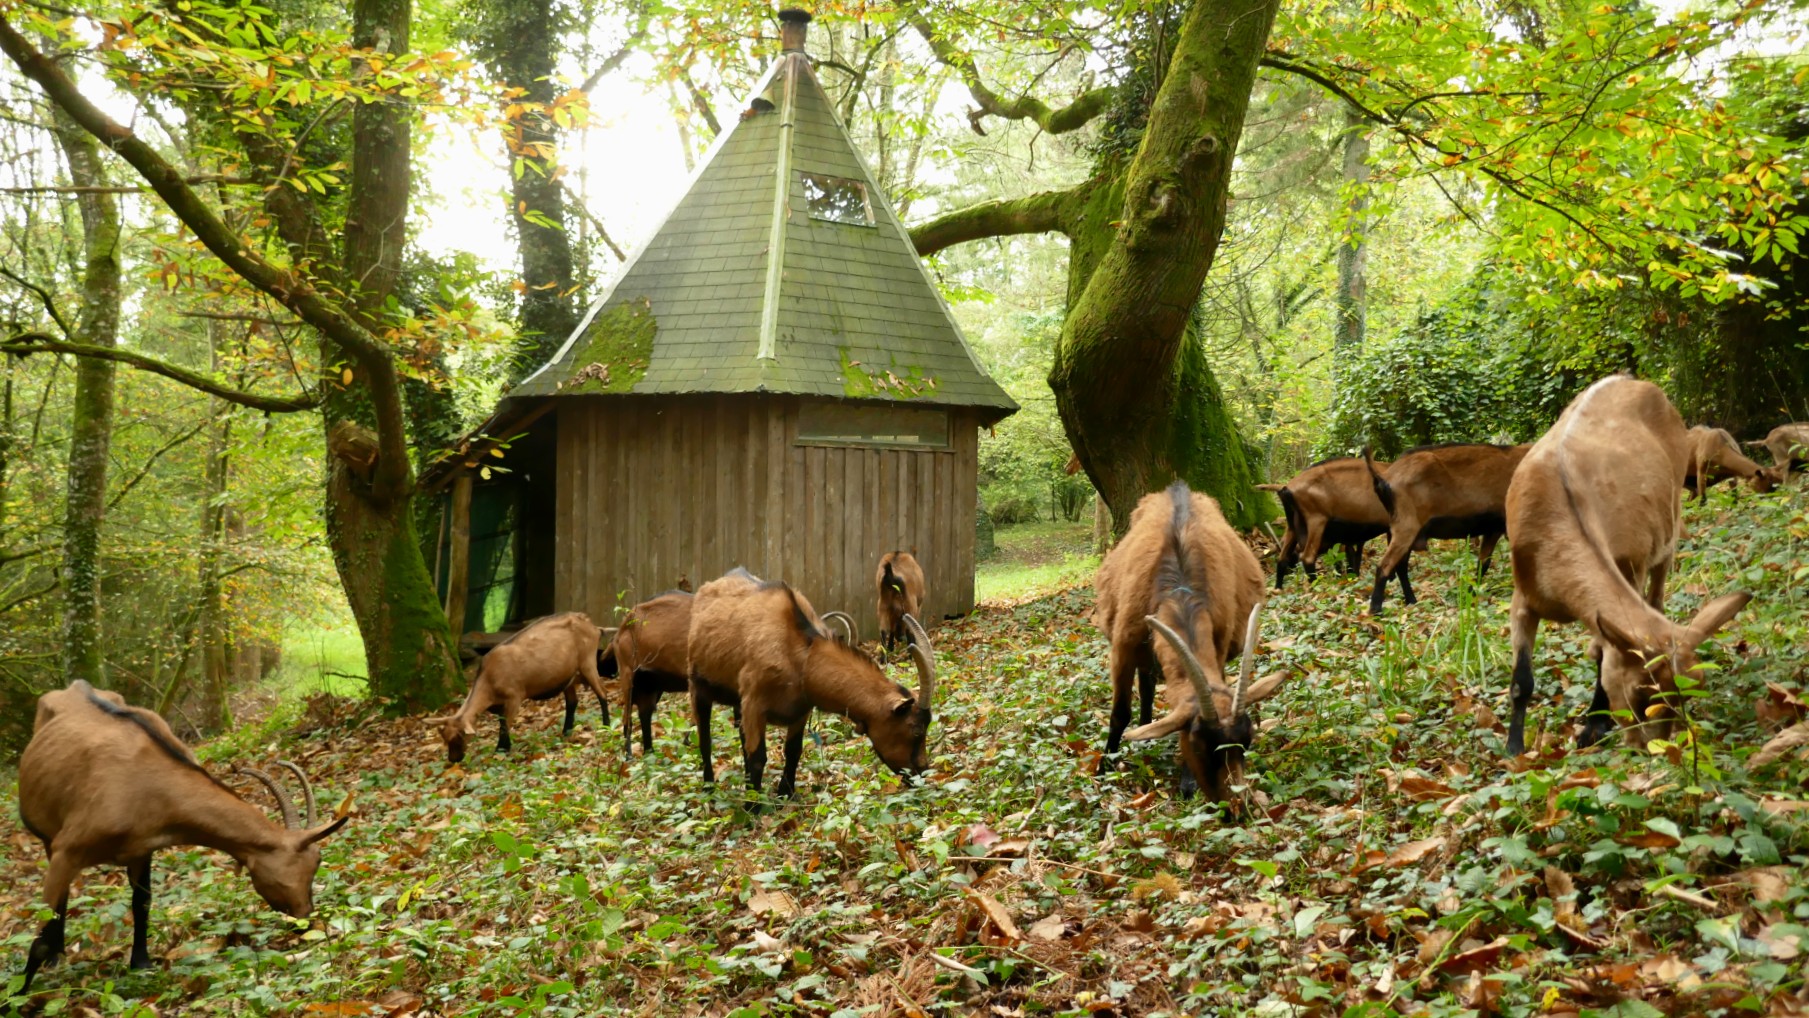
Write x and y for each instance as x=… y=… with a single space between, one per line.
x=310 y=837
x=904 y=707
x=1265 y=687
x=1713 y=616
x=1172 y=722
x=1619 y=637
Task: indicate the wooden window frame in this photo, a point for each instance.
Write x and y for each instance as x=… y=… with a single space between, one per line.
x=858 y=436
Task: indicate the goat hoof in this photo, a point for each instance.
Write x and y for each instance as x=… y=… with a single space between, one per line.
x=140 y=964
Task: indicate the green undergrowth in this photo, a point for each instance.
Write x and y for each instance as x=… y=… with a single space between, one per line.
x=1036 y=560
x=1386 y=860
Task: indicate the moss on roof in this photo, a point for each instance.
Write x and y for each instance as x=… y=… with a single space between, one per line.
x=855 y=314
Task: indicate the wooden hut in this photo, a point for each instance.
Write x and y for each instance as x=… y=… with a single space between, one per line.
x=773 y=381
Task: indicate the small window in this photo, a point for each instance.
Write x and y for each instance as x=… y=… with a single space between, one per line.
x=837 y=199
x=831 y=424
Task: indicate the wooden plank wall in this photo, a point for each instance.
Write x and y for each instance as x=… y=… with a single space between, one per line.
x=652 y=489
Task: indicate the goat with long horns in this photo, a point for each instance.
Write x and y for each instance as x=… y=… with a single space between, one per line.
x=759 y=646
x=1178 y=597
x=103 y=782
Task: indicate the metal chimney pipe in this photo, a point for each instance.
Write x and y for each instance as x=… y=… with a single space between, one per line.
x=794 y=24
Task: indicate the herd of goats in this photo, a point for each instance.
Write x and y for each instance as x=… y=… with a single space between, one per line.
x=1592 y=512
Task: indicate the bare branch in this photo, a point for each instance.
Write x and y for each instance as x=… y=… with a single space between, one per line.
x=50 y=305
x=206 y=178
x=144 y=469
x=1044 y=212
x=38 y=342
x=583 y=209
x=1075 y=115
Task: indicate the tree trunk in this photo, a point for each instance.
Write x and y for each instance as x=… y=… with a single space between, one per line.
x=520 y=41
x=215 y=715
x=91 y=424
x=1137 y=398
x=1352 y=304
x=370 y=482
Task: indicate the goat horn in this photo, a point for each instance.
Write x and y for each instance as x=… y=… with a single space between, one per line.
x=1196 y=674
x=1248 y=665
x=276 y=792
x=307 y=789
x=847 y=622
x=925 y=656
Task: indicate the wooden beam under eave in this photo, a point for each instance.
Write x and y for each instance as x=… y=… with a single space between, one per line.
x=458 y=578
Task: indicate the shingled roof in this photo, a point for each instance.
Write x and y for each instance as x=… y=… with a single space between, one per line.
x=749 y=286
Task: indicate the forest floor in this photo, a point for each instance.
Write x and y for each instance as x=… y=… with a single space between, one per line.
x=1036 y=559
x=1386 y=859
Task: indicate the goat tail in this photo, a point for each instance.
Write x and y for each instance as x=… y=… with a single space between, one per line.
x=1290 y=511
x=1384 y=493
x=1270 y=487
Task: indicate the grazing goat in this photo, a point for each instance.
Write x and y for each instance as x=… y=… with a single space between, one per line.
x=1441 y=492
x=106 y=783
x=1594 y=515
x=1183 y=574
x=546 y=658
x=759 y=645
x=1328 y=504
x=1789 y=445
x=900 y=581
x=1715 y=457
x=649 y=655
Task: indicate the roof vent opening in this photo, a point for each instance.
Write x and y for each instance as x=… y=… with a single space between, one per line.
x=794 y=24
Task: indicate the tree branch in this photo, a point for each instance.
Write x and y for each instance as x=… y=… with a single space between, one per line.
x=206 y=178
x=293 y=291
x=38 y=342
x=144 y=469
x=1394 y=123
x=1076 y=114
x=50 y=305
x=584 y=210
x=1044 y=212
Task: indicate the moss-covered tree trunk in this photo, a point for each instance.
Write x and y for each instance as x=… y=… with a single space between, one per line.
x=520 y=40
x=408 y=648
x=1136 y=396
x=91 y=417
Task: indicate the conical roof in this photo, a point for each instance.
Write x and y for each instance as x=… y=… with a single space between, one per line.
x=783 y=269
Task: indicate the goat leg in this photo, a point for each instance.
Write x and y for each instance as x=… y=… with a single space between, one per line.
x=1523 y=628
x=794 y=750
x=571 y=709
x=700 y=718
x=1353 y=559
x=1123 y=665
x=1146 y=690
x=1486 y=554
x=1599 y=720
x=1401 y=577
x=644 y=703
x=138 y=874
x=48 y=946
x=503 y=745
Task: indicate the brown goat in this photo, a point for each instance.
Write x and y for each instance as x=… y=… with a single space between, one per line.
x=649 y=658
x=1789 y=445
x=1442 y=492
x=1331 y=503
x=546 y=658
x=900 y=582
x=106 y=783
x=1594 y=515
x=1183 y=574
x=759 y=645
x=1715 y=457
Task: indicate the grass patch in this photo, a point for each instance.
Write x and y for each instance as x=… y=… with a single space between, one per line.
x=1036 y=559
x=324 y=655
